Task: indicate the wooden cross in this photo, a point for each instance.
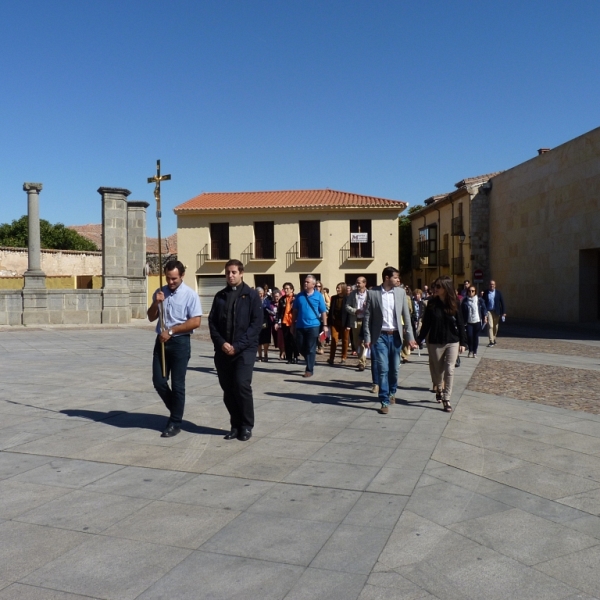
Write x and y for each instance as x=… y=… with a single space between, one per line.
x=157 y=179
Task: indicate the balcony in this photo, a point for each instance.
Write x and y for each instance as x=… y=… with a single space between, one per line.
x=260 y=252
x=423 y=248
x=458 y=265
x=304 y=251
x=444 y=258
x=457 y=225
x=416 y=262
x=205 y=256
x=362 y=251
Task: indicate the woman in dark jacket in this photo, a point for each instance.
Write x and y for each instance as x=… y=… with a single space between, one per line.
x=443 y=328
x=474 y=315
x=337 y=320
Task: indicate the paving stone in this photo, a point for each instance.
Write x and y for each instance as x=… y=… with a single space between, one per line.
x=356 y=453
x=139 y=482
x=26 y=547
x=327 y=585
x=392 y=586
x=83 y=511
x=68 y=473
x=106 y=567
x=395 y=481
x=18 y=591
x=522 y=536
x=588 y=502
x=218 y=576
x=17 y=498
x=351 y=549
x=12 y=464
x=266 y=537
x=306 y=502
x=219 y=492
x=335 y=475
x=376 y=510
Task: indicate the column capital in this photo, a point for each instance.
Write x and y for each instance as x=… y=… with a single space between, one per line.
x=111 y=190
x=32 y=187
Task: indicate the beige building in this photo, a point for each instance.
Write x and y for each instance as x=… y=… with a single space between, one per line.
x=545 y=233
x=450 y=233
x=283 y=235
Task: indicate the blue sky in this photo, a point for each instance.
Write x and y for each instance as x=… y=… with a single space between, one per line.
x=394 y=99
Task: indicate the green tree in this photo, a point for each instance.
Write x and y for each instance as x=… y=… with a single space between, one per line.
x=55 y=237
x=406 y=242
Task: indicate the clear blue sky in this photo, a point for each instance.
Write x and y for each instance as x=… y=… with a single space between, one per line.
x=395 y=99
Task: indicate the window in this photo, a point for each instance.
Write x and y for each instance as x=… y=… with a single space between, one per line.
x=350 y=279
x=427 y=245
x=264 y=239
x=219 y=241
x=310 y=239
x=364 y=248
x=261 y=279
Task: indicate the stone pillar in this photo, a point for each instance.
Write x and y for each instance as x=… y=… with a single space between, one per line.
x=34 y=276
x=136 y=258
x=35 y=295
x=115 y=286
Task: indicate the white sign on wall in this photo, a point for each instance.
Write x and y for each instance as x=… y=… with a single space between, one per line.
x=359 y=238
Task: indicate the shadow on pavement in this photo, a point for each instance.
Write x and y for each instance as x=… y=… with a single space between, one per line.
x=116 y=418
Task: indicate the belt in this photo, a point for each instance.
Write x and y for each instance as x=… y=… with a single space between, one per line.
x=390 y=332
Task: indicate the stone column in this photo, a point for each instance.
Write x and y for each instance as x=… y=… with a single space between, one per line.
x=34 y=276
x=136 y=258
x=35 y=295
x=115 y=286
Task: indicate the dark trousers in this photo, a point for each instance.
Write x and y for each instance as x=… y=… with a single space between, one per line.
x=177 y=356
x=306 y=340
x=291 y=351
x=235 y=378
x=473 y=330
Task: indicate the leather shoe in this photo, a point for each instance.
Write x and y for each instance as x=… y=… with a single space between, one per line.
x=170 y=431
x=307 y=374
x=384 y=410
x=245 y=435
x=232 y=435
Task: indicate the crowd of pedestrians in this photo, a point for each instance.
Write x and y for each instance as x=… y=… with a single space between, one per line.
x=382 y=324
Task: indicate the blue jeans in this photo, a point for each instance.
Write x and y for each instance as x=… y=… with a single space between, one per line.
x=386 y=357
x=306 y=341
x=177 y=355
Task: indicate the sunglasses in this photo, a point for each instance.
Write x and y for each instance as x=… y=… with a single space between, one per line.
x=472 y=291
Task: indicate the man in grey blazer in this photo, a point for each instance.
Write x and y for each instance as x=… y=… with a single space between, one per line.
x=386 y=319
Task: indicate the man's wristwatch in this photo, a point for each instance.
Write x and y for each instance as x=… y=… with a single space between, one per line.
x=170 y=332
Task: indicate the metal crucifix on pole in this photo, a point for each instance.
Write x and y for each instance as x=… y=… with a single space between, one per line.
x=156 y=180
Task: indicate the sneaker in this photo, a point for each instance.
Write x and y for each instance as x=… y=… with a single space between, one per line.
x=469 y=355
x=343 y=361
x=490 y=345
x=392 y=399
x=474 y=355
x=494 y=342
x=319 y=351
x=384 y=410
x=361 y=367
x=375 y=389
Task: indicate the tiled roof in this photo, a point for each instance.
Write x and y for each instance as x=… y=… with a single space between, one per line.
x=479 y=178
x=285 y=199
x=169 y=245
x=93 y=233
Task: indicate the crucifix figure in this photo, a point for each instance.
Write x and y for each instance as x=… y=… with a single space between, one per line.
x=157 y=179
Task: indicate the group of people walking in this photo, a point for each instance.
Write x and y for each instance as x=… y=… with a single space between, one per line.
x=381 y=322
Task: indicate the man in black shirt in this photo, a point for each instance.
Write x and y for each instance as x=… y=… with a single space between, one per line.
x=235 y=321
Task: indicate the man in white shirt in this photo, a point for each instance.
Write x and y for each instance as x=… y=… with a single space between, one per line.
x=387 y=308
x=181 y=315
x=356 y=307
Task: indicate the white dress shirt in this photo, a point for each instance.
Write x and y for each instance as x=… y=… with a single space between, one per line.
x=388 y=305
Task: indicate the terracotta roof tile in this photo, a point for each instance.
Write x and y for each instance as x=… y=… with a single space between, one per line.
x=93 y=232
x=285 y=199
x=469 y=180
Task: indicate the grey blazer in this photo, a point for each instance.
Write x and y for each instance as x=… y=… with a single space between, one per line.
x=373 y=319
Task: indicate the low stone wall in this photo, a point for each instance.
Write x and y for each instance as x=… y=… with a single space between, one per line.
x=57 y=282
x=14 y=261
x=11 y=307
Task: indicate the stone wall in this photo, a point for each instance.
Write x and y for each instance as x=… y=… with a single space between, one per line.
x=545 y=214
x=480 y=231
x=14 y=261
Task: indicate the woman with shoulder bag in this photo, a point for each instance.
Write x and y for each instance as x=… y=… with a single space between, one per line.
x=443 y=328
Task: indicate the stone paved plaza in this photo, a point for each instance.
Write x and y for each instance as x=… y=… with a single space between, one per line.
x=328 y=500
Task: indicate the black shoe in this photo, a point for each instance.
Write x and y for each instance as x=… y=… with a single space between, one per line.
x=232 y=435
x=171 y=430
x=245 y=435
